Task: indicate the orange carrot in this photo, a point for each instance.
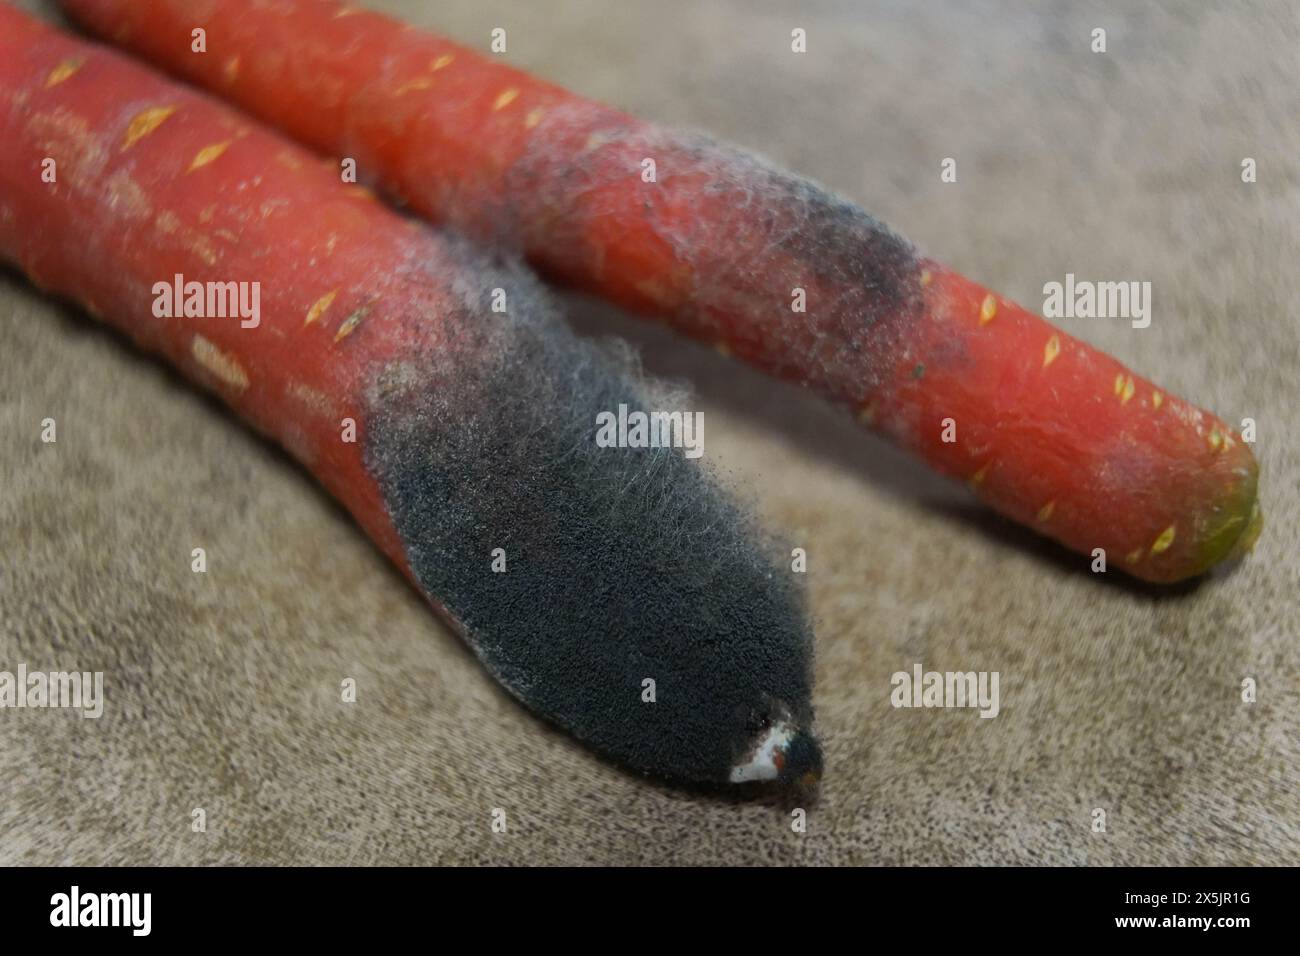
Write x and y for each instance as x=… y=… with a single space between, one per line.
x=459 y=435
x=1046 y=429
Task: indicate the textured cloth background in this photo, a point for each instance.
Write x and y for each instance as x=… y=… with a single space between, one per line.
x=223 y=689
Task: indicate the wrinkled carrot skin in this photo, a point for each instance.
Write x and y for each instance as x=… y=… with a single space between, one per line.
x=1048 y=430
x=131 y=208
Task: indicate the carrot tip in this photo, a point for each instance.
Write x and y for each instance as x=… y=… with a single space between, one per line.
x=1245 y=542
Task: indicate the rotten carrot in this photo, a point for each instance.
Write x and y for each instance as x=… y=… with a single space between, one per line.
x=1044 y=428
x=459 y=434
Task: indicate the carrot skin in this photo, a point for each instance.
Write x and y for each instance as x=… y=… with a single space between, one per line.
x=1075 y=446
x=474 y=428
x=132 y=200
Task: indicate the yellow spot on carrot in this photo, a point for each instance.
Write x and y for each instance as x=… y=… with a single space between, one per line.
x=346 y=12
x=1134 y=556
x=1119 y=383
x=419 y=83
x=1051 y=350
x=1215 y=439
x=63 y=71
x=208 y=154
x=442 y=61
x=223 y=366
x=1045 y=512
x=988 y=309
x=926 y=278
x=505 y=98
x=361 y=192
x=1127 y=392
x=1157 y=400
x=349 y=326
x=1162 y=543
x=319 y=306
x=313 y=398
x=231 y=69
x=145 y=123
x=533 y=118
x=978 y=477
x=288 y=160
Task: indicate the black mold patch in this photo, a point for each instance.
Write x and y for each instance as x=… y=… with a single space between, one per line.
x=622 y=564
x=761 y=232
x=848 y=249
x=840 y=244
x=862 y=279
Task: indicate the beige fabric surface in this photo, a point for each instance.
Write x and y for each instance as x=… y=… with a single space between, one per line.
x=223 y=688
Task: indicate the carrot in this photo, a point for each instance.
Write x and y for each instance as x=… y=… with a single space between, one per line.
x=1046 y=429
x=577 y=573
